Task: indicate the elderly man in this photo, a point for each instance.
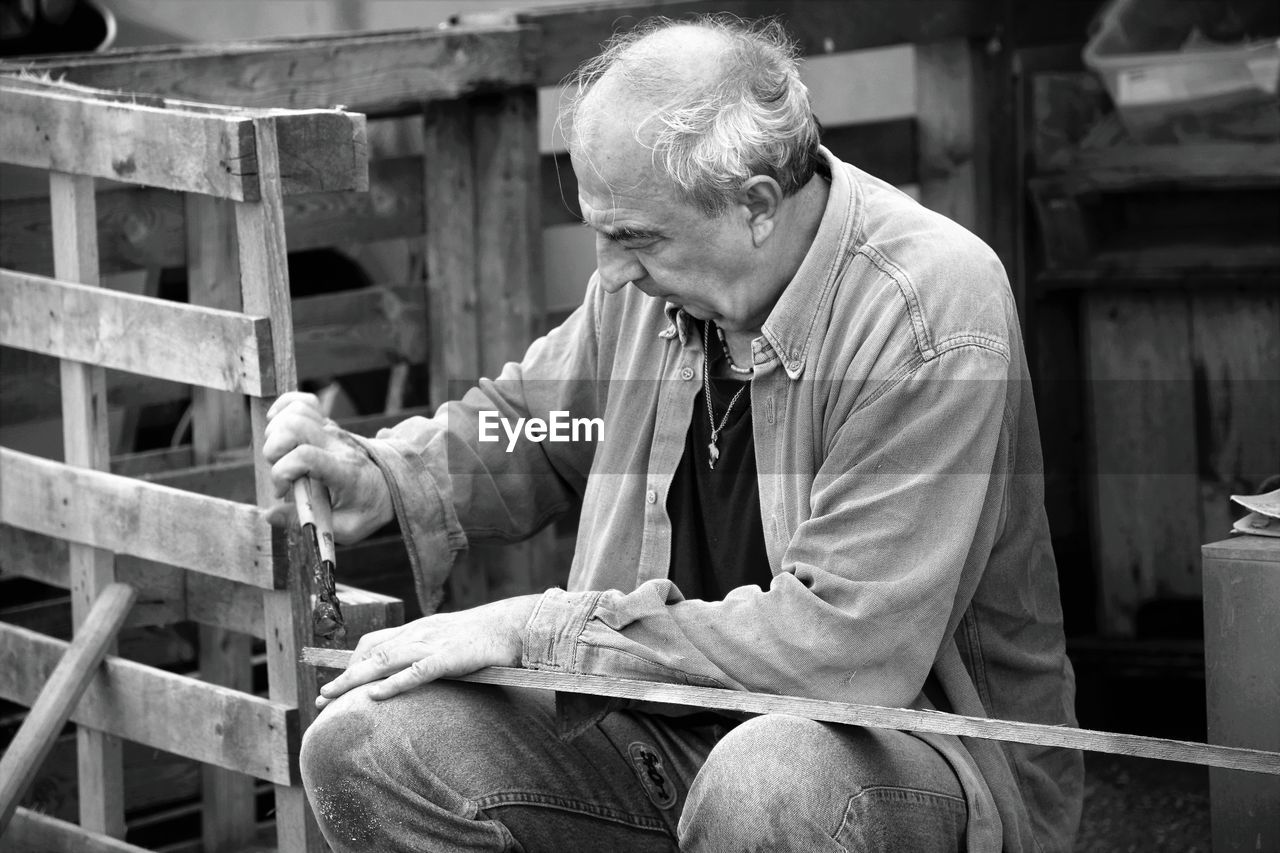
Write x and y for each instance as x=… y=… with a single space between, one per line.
x=819 y=475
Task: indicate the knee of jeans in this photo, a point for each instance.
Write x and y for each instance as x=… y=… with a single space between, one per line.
x=741 y=800
x=335 y=760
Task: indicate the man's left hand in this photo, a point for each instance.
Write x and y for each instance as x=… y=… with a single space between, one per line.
x=437 y=646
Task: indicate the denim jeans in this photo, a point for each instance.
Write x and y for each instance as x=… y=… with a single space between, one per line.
x=465 y=767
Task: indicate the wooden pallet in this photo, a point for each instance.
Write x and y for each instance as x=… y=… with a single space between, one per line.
x=235 y=340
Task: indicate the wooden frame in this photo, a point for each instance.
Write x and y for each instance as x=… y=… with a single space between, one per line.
x=232 y=339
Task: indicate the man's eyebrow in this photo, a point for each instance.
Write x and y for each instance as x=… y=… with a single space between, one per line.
x=625 y=233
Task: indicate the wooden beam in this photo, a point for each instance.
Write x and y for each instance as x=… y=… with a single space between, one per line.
x=949 y=101
x=371 y=72
x=127 y=516
x=86 y=443
x=847 y=713
x=191 y=147
x=224 y=350
x=161 y=709
x=31 y=830
x=386 y=328
x=62 y=689
x=574 y=33
x=142 y=227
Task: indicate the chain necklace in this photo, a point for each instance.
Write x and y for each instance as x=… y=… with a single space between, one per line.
x=728 y=354
x=712 y=450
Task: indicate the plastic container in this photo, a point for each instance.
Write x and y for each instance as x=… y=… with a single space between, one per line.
x=1173 y=79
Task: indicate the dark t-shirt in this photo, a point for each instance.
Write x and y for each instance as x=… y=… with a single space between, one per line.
x=717 y=538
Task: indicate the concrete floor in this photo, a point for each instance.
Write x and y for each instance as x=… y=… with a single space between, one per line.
x=1134 y=805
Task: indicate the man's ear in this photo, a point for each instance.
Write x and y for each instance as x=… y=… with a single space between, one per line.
x=761 y=197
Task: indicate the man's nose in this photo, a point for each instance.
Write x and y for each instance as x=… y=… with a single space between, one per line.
x=618 y=266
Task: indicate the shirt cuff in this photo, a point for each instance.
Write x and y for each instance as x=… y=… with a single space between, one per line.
x=551 y=635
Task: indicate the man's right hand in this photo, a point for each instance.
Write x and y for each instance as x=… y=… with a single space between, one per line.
x=301 y=441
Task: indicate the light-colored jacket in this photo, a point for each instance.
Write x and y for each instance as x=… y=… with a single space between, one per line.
x=900 y=492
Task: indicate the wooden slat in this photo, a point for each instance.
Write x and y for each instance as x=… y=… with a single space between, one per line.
x=1141 y=420
x=128 y=516
x=218 y=349
x=574 y=33
x=386 y=328
x=371 y=72
x=948 y=96
x=37 y=832
x=85 y=443
x=264 y=282
x=142 y=139
x=145 y=227
x=161 y=709
x=59 y=694
x=873 y=716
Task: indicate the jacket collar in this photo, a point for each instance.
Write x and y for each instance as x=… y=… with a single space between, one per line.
x=790 y=325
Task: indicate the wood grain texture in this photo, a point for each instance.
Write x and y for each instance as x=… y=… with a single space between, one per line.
x=949 y=99
x=264 y=283
x=59 y=694
x=146 y=520
x=86 y=443
x=31 y=830
x=574 y=33
x=213 y=348
x=161 y=709
x=371 y=72
x=873 y=716
x=1141 y=420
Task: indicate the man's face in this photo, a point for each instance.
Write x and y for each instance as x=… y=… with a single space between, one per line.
x=648 y=237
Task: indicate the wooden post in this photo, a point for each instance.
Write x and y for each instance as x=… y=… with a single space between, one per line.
x=264 y=281
x=22 y=758
x=220 y=420
x=86 y=442
x=950 y=102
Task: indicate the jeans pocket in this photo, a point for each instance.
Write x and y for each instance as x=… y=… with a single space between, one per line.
x=894 y=819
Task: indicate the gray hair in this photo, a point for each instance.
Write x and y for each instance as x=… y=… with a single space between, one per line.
x=752 y=117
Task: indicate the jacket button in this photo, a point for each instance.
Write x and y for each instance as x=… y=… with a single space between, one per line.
x=686 y=373
x=651 y=496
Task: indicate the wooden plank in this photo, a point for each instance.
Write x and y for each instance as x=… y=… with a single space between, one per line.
x=31 y=830
x=134 y=143
x=219 y=420
x=264 y=282
x=128 y=516
x=1143 y=434
x=949 y=94
x=449 y=185
x=1235 y=345
x=143 y=139
x=846 y=713
x=386 y=329
x=218 y=349
x=86 y=443
x=145 y=227
x=372 y=72
x=63 y=688
x=1256 y=548
x=572 y=34
x=161 y=709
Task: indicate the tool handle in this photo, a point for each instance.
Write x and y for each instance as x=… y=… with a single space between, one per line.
x=312 y=500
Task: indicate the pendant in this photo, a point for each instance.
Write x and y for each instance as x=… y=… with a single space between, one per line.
x=715 y=454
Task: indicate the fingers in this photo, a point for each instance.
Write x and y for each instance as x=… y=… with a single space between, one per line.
x=294 y=398
x=291 y=427
x=308 y=460
x=386 y=659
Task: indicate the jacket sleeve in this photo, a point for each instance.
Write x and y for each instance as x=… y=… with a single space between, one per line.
x=450 y=487
x=904 y=511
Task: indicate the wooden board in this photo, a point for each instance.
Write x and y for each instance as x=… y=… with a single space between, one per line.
x=370 y=72
x=1145 y=485
x=59 y=694
x=873 y=716
x=571 y=34
x=34 y=831
x=949 y=100
x=386 y=328
x=213 y=348
x=161 y=709
x=146 y=520
x=145 y=227
x=188 y=147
